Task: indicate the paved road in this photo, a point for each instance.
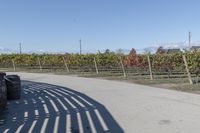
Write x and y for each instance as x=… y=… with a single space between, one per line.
x=122 y=107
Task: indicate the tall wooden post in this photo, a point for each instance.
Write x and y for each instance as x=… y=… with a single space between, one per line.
x=13 y=62
x=150 y=70
x=122 y=65
x=187 y=69
x=43 y=62
x=66 y=66
x=40 y=65
x=95 y=64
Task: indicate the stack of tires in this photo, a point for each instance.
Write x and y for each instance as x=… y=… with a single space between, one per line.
x=3 y=91
x=10 y=88
x=13 y=84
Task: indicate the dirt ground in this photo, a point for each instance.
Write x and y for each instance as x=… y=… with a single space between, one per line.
x=172 y=84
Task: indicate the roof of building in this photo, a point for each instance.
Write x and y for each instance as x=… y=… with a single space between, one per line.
x=195 y=47
x=170 y=51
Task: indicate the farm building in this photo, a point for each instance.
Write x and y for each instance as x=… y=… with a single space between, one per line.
x=172 y=51
x=195 y=48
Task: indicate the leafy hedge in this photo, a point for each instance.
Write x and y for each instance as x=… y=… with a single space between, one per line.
x=159 y=61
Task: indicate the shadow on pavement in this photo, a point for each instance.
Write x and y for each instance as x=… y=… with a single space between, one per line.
x=49 y=108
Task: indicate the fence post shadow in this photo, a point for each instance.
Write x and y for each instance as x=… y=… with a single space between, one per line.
x=45 y=103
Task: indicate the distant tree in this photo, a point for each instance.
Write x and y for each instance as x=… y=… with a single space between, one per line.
x=147 y=51
x=160 y=50
x=120 y=52
x=67 y=53
x=99 y=52
x=132 y=58
x=107 y=51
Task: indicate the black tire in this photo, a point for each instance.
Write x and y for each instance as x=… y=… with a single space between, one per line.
x=3 y=91
x=13 y=84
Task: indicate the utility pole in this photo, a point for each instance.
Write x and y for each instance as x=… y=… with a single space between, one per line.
x=80 y=46
x=189 y=41
x=20 y=48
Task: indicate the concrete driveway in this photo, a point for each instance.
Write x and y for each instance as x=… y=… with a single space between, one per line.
x=129 y=108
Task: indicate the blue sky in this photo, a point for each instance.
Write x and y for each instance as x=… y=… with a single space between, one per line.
x=57 y=25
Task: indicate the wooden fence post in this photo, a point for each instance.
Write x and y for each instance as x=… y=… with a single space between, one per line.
x=66 y=66
x=39 y=62
x=95 y=64
x=122 y=65
x=187 y=69
x=13 y=62
x=150 y=70
x=43 y=63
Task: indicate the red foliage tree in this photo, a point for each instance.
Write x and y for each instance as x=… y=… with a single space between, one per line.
x=132 y=59
x=160 y=50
